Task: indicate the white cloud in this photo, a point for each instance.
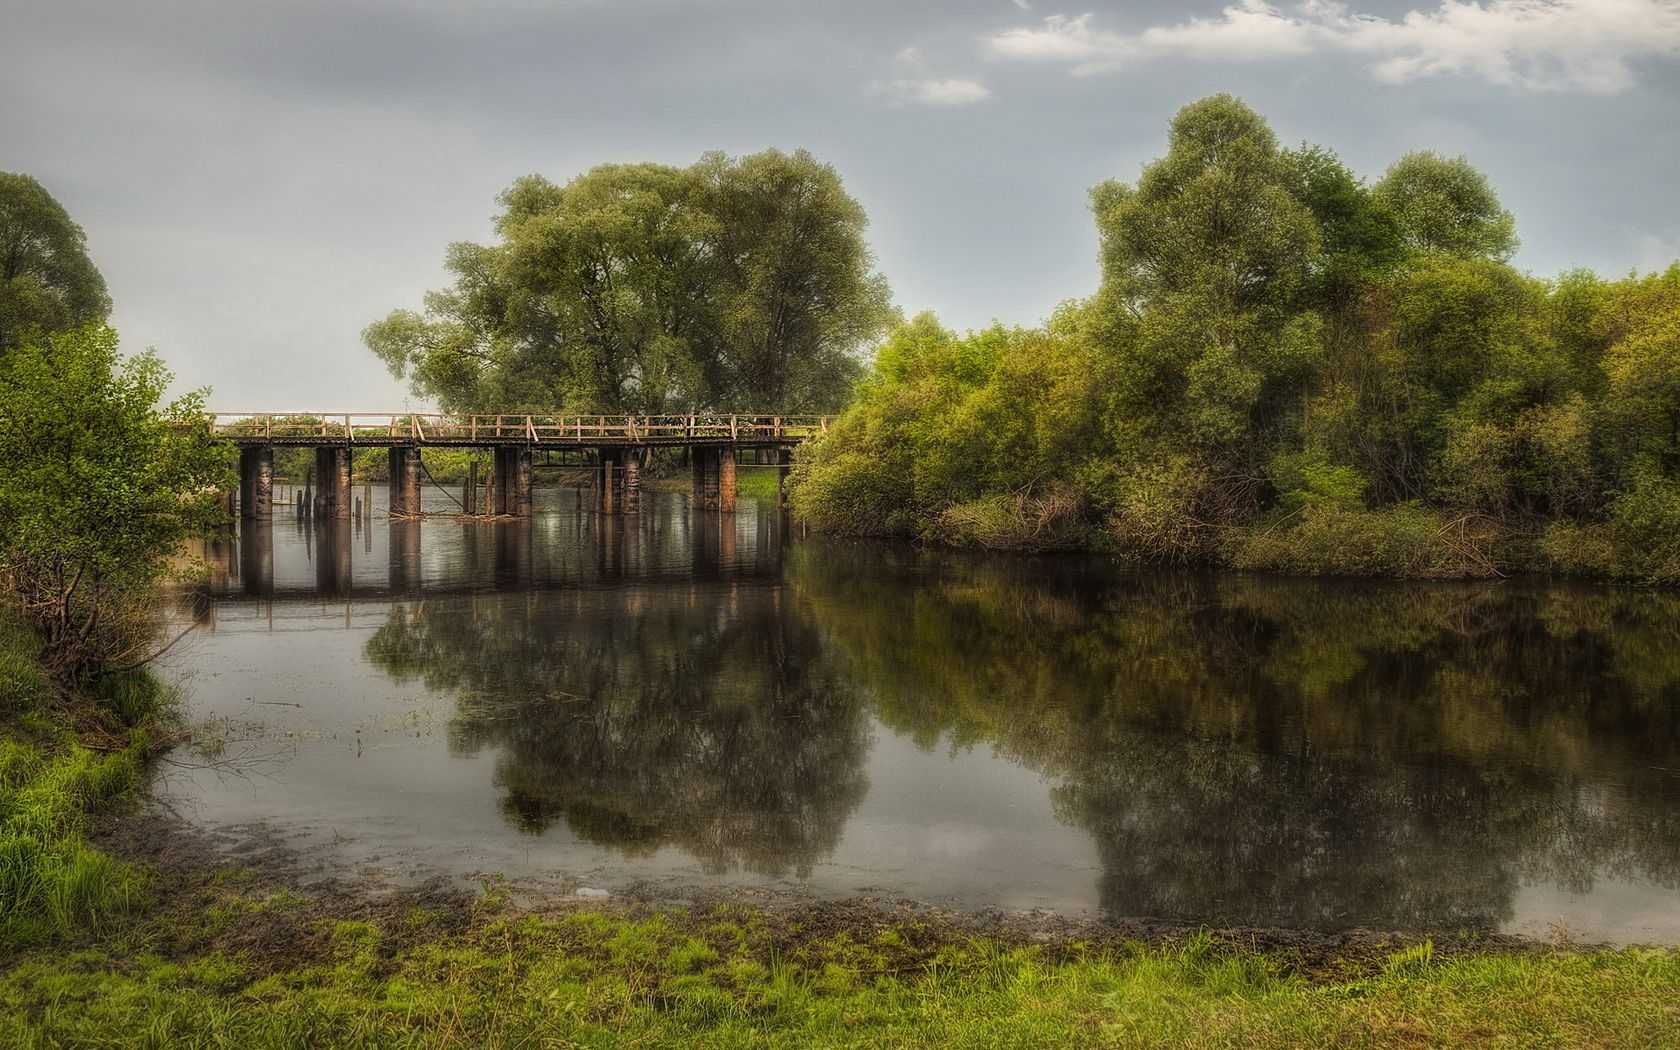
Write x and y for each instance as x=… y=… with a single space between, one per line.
x=951 y=91
x=913 y=86
x=1589 y=45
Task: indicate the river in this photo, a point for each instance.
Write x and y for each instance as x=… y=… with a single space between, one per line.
x=685 y=700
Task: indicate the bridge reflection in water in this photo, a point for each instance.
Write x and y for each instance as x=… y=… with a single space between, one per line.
x=701 y=696
x=572 y=545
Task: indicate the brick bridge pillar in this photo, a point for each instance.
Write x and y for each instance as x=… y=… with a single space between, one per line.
x=512 y=484
x=714 y=479
x=332 y=474
x=256 y=483
x=404 y=481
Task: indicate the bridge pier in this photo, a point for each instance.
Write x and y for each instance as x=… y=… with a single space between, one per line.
x=632 y=502
x=405 y=481
x=607 y=480
x=697 y=458
x=714 y=479
x=784 y=460
x=618 y=481
x=512 y=485
x=256 y=483
x=332 y=473
x=726 y=480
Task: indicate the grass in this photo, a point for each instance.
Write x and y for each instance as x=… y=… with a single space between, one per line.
x=52 y=884
x=752 y=481
x=732 y=977
x=92 y=954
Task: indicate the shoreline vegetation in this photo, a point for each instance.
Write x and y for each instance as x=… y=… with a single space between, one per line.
x=161 y=943
x=1286 y=369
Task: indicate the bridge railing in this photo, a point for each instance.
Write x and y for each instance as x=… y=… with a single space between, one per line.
x=491 y=428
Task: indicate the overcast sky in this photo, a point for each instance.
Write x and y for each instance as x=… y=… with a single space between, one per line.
x=258 y=181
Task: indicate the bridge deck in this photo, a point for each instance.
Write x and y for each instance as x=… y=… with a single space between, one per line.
x=387 y=429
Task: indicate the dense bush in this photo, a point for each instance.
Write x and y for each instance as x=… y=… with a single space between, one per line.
x=1287 y=368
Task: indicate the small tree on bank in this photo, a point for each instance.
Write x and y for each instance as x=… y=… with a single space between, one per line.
x=99 y=484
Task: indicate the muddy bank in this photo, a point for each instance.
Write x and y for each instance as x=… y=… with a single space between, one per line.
x=288 y=900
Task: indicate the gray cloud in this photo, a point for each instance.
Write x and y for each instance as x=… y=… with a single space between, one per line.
x=258 y=181
x=1541 y=45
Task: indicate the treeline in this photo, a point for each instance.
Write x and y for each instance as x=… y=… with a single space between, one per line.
x=100 y=481
x=1286 y=368
x=738 y=284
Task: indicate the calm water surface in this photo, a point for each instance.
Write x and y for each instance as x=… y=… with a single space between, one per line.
x=684 y=699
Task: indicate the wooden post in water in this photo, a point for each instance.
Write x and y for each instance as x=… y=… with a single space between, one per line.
x=519 y=482
x=726 y=481
x=632 y=483
x=256 y=483
x=332 y=466
x=697 y=466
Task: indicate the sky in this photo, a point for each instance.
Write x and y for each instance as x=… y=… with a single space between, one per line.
x=259 y=181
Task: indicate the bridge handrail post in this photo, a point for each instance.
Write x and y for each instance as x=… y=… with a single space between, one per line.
x=734 y=428
x=530 y=431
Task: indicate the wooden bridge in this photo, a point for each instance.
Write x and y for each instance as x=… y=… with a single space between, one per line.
x=614 y=444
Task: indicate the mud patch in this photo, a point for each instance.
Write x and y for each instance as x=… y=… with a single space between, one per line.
x=245 y=890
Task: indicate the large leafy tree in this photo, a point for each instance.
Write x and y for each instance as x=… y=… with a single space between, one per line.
x=734 y=283
x=1204 y=260
x=47 y=281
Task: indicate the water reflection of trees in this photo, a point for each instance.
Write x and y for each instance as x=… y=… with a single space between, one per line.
x=1291 y=752
x=705 y=716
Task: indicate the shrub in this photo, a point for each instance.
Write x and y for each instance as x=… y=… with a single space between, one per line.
x=1406 y=540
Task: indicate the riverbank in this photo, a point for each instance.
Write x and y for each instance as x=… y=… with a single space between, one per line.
x=128 y=929
x=241 y=954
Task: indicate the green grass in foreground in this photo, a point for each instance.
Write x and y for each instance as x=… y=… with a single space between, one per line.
x=715 y=979
x=92 y=955
x=52 y=883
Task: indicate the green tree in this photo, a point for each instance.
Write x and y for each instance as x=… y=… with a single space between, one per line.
x=1445 y=205
x=647 y=288
x=1204 y=261
x=98 y=486
x=797 y=294
x=47 y=281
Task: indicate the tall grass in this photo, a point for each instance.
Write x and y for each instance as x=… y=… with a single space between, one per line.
x=51 y=881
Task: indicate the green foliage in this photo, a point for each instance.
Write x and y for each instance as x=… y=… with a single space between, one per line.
x=47 y=281
x=733 y=284
x=98 y=486
x=1445 y=205
x=958 y=438
x=1288 y=369
x=51 y=882
x=24 y=688
x=1338 y=539
x=683 y=979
